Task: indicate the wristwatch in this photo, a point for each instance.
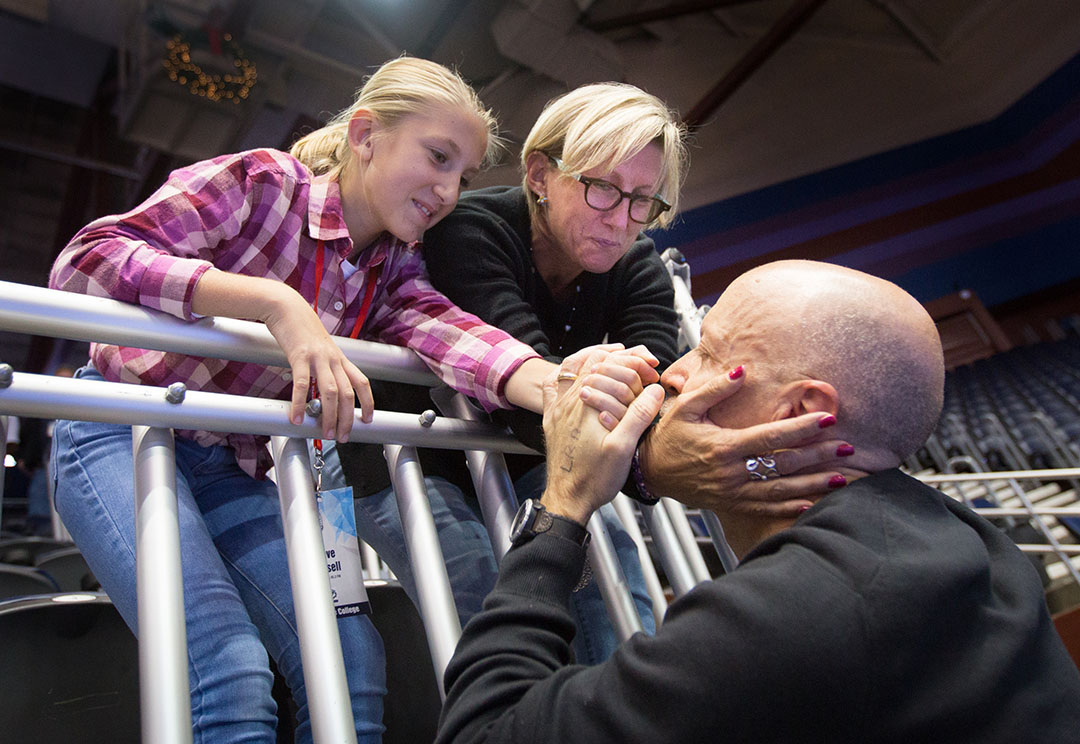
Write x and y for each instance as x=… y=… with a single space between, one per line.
x=532 y=519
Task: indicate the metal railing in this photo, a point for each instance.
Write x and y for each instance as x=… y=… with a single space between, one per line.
x=153 y=411
x=1037 y=514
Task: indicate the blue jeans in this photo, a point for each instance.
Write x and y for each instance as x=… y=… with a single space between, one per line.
x=237 y=596
x=470 y=560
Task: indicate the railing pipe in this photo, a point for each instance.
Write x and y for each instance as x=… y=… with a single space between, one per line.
x=47 y=396
x=316 y=621
x=165 y=698
x=50 y=312
x=728 y=559
x=627 y=516
x=1001 y=475
x=490 y=477
x=679 y=574
x=609 y=577
x=435 y=596
x=681 y=524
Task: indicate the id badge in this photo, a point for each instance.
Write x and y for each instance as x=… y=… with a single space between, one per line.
x=338 y=522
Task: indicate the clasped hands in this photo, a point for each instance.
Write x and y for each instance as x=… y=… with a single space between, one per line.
x=603 y=398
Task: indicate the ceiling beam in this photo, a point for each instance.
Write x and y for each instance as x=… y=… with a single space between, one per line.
x=777 y=35
x=665 y=13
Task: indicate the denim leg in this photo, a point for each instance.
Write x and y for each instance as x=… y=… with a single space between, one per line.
x=596 y=638
x=229 y=674
x=470 y=562
x=236 y=585
x=243 y=516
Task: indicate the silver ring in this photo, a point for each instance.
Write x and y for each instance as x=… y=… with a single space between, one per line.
x=566 y=377
x=762 y=467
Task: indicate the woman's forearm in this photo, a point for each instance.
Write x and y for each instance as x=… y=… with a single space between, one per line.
x=525 y=388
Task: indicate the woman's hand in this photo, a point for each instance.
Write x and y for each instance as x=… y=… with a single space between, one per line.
x=587 y=463
x=687 y=457
x=311 y=351
x=612 y=378
x=525 y=388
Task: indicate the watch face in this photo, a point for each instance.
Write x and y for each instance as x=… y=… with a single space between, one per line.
x=523 y=520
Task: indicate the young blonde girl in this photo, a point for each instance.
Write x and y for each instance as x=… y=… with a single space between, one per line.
x=314 y=244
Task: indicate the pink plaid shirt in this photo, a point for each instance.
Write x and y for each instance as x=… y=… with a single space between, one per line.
x=262 y=213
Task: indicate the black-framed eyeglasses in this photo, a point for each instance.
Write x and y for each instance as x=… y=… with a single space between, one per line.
x=604 y=196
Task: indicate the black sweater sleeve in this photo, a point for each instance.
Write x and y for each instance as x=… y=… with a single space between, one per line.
x=480 y=257
x=734 y=661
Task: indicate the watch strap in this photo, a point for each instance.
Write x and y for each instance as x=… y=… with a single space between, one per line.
x=562 y=526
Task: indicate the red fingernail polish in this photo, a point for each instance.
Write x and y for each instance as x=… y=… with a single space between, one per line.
x=845 y=450
x=826 y=422
x=803 y=508
x=837 y=481
x=735 y=373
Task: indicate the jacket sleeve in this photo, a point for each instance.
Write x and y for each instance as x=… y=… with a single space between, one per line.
x=744 y=658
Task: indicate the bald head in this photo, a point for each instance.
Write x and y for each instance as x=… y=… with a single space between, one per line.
x=871 y=346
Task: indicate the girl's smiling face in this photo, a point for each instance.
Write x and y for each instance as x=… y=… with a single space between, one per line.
x=408 y=177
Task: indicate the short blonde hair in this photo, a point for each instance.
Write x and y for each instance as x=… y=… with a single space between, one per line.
x=399 y=88
x=603 y=125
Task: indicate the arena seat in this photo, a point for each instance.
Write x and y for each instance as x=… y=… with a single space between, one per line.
x=412 y=703
x=70 y=671
x=23 y=550
x=68 y=568
x=24 y=581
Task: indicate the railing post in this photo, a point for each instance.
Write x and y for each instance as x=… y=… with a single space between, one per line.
x=680 y=575
x=625 y=510
x=728 y=559
x=681 y=524
x=437 y=608
x=491 y=480
x=316 y=621
x=163 y=665
x=609 y=577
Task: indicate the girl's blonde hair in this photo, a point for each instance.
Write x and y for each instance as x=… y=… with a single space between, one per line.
x=602 y=126
x=399 y=88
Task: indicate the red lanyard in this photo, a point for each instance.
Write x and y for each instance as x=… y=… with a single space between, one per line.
x=369 y=289
x=365 y=307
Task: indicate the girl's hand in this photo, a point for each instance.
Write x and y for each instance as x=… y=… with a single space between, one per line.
x=315 y=358
x=311 y=351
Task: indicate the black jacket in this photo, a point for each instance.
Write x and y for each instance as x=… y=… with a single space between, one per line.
x=887 y=613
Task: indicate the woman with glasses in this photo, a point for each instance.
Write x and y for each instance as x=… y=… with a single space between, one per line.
x=560 y=263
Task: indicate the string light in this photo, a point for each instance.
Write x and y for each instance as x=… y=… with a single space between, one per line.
x=233 y=86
